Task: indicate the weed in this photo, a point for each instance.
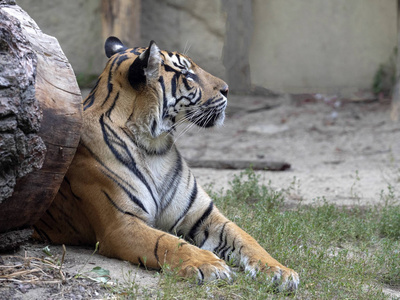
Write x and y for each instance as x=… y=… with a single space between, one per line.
x=353 y=194
x=385 y=77
x=129 y=289
x=245 y=188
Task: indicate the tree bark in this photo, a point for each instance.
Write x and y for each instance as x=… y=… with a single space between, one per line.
x=121 y=18
x=40 y=118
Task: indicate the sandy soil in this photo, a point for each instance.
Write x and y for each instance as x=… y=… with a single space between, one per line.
x=347 y=152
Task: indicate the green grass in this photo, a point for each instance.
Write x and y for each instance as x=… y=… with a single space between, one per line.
x=339 y=253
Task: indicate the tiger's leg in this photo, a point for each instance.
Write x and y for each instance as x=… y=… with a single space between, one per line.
x=214 y=232
x=131 y=239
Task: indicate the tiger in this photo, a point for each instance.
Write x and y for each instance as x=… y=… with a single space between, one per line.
x=130 y=190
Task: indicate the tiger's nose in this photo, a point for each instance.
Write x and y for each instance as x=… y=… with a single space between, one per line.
x=224 y=90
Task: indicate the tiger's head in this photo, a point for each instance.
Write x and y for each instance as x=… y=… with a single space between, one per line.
x=150 y=92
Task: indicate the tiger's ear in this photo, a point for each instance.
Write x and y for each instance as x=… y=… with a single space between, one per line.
x=146 y=66
x=113 y=45
x=151 y=59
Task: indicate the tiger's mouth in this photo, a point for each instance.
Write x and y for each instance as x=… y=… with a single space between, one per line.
x=209 y=116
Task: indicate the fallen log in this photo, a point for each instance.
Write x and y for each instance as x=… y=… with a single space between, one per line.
x=40 y=118
x=239 y=164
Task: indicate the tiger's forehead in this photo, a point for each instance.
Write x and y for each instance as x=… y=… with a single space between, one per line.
x=173 y=59
x=177 y=59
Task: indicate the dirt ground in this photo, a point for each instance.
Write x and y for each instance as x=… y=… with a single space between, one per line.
x=346 y=152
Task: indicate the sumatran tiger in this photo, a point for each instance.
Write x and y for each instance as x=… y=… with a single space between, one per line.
x=128 y=186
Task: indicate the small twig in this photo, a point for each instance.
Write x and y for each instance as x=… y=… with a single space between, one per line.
x=19 y=273
x=95 y=250
x=61 y=264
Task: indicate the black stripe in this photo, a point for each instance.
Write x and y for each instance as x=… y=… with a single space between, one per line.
x=120 y=209
x=53 y=219
x=186 y=83
x=221 y=235
x=219 y=102
x=170 y=69
x=42 y=234
x=124 y=155
x=202 y=275
x=206 y=233
x=193 y=196
x=208 y=102
x=224 y=251
x=69 y=223
x=109 y=84
x=192 y=76
x=179 y=59
x=123 y=57
x=165 y=102
x=156 y=248
x=178 y=66
x=90 y=99
x=70 y=189
x=132 y=197
x=153 y=128
x=45 y=223
x=50 y=215
x=108 y=113
x=118 y=60
x=233 y=245
x=62 y=194
x=173 y=85
x=192 y=97
x=172 y=183
x=136 y=51
x=107 y=168
x=200 y=221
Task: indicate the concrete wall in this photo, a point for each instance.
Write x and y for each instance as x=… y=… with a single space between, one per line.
x=299 y=46
x=321 y=45
x=194 y=27
x=77 y=26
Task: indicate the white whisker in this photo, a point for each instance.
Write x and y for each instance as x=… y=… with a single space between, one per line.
x=186 y=48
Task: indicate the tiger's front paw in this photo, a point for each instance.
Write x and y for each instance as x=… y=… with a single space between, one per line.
x=206 y=267
x=283 y=278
